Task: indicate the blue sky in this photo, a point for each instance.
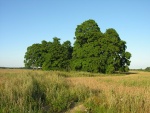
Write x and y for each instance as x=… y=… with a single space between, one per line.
x=25 y=22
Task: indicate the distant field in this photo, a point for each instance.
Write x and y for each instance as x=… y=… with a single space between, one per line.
x=23 y=91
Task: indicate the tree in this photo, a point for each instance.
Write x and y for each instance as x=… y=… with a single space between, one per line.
x=116 y=49
x=97 y=52
x=147 y=69
x=33 y=56
x=58 y=56
x=49 y=55
x=86 y=47
x=66 y=55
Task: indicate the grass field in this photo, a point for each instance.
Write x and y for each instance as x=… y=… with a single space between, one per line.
x=23 y=91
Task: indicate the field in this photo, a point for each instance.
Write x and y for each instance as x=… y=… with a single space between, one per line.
x=23 y=91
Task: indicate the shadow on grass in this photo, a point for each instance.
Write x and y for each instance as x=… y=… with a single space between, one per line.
x=126 y=73
x=129 y=73
x=38 y=97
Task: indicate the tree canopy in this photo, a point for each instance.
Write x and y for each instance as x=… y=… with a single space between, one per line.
x=147 y=69
x=49 y=55
x=93 y=51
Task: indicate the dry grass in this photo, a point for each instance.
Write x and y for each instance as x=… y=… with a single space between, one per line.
x=23 y=91
x=16 y=71
x=108 y=94
x=113 y=81
x=132 y=91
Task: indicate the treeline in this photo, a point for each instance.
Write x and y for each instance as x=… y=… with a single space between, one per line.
x=146 y=69
x=93 y=51
x=12 y=67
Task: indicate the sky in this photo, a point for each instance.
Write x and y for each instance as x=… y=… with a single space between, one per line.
x=25 y=22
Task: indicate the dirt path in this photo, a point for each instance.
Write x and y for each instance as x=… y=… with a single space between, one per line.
x=77 y=108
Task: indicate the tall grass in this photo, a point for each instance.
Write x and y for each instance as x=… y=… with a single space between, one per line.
x=23 y=91
x=115 y=101
x=38 y=92
x=123 y=94
x=14 y=90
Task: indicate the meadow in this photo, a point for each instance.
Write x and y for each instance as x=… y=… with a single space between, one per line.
x=28 y=91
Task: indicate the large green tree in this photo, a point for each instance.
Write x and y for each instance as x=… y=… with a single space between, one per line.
x=53 y=57
x=33 y=56
x=95 y=51
x=58 y=56
x=86 y=47
x=115 y=50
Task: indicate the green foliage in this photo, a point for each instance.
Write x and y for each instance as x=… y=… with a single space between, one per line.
x=86 y=47
x=49 y=55
x=33 y=56
x=93 y=51
x=147 y=69
x=110 y=69
x=97 y=52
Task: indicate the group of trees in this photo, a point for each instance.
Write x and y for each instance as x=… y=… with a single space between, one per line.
x=93 y=51
x=49 y=55
x=147 y=69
